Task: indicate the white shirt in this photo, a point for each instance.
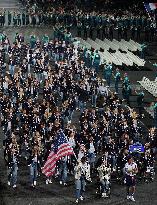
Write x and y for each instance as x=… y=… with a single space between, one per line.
x=92 y=149
x=5 y=85
x=9 y=125
x=72 y=142
x=130 y=167
x=80 y=155
x=35 y=158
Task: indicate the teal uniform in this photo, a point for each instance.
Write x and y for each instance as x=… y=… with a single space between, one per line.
x=68 y=37
x=126 y=81
x=117 y=80
x=108 y=74
x=45 y=39
x=32 y=41
x=96 y=61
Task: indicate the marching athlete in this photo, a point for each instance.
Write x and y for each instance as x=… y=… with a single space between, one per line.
x=130 y=170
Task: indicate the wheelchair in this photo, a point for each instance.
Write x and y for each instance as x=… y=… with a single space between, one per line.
x=99 y=189
x=149 y=174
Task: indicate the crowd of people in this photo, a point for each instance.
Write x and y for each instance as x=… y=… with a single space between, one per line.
x=89 y=23
x=48 y=87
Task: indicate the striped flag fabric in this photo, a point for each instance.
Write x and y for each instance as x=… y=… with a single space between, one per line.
x=60 y=148
x=150 y=6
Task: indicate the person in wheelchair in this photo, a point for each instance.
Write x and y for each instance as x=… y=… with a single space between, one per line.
x=104 y=178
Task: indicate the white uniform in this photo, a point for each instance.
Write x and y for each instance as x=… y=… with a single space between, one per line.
x=129 y=167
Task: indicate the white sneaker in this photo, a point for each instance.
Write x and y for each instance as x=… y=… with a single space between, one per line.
x=65 y=184
x=77 y=201
x=35 y=183
x=8 y=183
x=14 y=186
x=132 y=198
x=128 y=197
x=104 y=195
x=50 y=182
x=81 y=198
x=61 y=182
x=47 y=181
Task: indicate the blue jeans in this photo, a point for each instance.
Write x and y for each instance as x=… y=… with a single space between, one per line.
x=63 y=172
x=71 y=112
x=14 y=99
x=39 y=76
x=81 y=106
x=91 y=158
x=105 y=185
x=13 y=174
x=80 y=187
x=5 y=92
x=114 y=160
x=56 y=56
x=77 y=77
x=29 y=68
x=25 y=152
x=3 y=71
x=11 y=70
x=33 y=172
x=61 y=56
x=93 y=99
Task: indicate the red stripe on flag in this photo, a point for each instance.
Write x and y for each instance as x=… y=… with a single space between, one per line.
x=45 y=168
x=50 y=171
x=49 y=162
x=63 y=149
x=50 y=165
x=64 y=153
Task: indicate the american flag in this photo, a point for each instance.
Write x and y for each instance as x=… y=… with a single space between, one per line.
x=60 y=148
